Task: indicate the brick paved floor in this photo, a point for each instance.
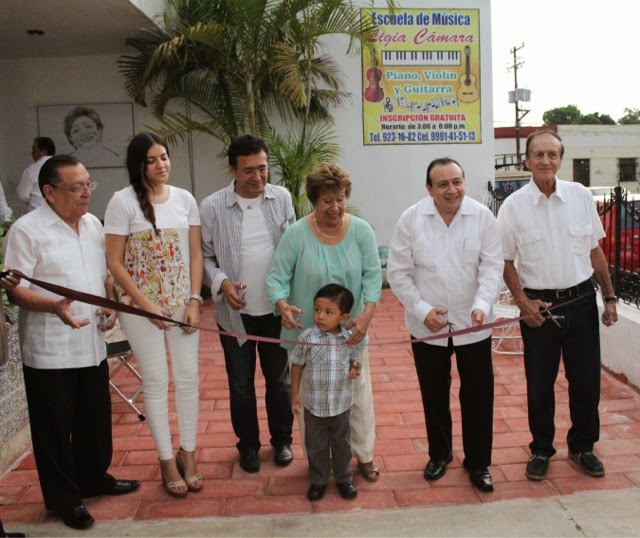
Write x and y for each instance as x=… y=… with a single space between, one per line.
x=401 y=449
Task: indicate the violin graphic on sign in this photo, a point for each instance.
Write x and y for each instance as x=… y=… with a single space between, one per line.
x=468 y=91
x=374 y=93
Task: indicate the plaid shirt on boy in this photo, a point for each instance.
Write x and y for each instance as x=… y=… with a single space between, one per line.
x=327 y=389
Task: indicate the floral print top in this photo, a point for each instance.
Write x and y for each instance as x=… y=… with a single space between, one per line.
x=158 y=263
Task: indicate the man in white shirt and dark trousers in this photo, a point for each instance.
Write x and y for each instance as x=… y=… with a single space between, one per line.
x=551 y=229
x=445 y=266
x=241 y=226
x=66 y=374
x=28 y=189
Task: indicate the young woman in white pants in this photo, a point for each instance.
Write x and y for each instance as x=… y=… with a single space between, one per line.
x=154 y=254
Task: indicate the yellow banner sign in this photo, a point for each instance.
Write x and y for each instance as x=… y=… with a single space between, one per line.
x=421 y=79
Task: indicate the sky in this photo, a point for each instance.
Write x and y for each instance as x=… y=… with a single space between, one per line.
x=575 y=52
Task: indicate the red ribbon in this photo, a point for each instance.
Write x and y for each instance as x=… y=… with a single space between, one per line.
x=102 y=302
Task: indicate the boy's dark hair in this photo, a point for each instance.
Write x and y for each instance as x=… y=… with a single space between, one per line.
x=339 y=295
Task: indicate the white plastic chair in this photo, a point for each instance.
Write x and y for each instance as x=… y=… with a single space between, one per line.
x=503 y=310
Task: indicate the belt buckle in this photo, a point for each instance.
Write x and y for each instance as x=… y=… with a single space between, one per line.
x=562 y=294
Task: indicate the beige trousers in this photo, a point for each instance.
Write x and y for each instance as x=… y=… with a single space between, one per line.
x=363 y=420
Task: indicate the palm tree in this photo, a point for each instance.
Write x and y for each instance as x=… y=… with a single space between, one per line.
x=208 y=56
x=233 y=63
x=296 y=153
x=313 y=85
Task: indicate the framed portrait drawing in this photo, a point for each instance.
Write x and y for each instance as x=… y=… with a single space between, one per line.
x=97 y=134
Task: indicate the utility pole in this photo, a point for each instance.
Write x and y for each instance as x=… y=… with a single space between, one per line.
x=518 y=95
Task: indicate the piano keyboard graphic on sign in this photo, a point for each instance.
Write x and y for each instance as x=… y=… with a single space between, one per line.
x=412 y=57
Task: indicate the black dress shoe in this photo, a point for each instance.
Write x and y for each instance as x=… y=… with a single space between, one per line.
x=347 y=491
x=537 y=467
x=315 y=493
x=122 y=487
x=282 y=455
x=436 y=469
x=481 y=479
x=77 y=517
x=249 y=461
x=588 y=463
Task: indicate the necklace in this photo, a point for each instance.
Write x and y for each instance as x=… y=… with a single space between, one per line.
x=325 y=235
x=243 y=201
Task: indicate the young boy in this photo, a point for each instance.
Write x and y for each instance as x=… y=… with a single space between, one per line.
x=328 y=395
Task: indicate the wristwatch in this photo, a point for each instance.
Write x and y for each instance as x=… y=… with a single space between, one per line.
x=612 y=299
x=196 y=297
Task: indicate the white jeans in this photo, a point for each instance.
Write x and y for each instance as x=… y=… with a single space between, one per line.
x=149 y=345
x=363 y=420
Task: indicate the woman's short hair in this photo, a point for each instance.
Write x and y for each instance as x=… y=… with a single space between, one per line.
x=78 y=112
x=327 y=177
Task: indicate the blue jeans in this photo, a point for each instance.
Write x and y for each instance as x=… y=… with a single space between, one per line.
x=240 y=362
x=578 y=341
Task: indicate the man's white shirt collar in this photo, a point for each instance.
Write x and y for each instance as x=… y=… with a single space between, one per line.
x=536 y=193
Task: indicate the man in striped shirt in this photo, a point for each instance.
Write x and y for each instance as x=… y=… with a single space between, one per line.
x=242 y=225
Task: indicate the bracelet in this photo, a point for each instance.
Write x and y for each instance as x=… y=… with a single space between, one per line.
x=284 y=308
x=612 y=299
x=196 y=297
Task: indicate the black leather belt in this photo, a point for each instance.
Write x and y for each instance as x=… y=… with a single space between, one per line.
x=555 y=295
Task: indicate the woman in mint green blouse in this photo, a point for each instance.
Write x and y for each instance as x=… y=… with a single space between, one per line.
x=331 y=246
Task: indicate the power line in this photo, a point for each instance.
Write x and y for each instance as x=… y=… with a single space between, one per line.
x=518 y=95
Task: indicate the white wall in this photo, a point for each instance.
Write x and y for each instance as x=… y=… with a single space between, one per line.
x=619 y=343
x=83 y=79
x=603 y=145
x=506 y=146
x=151 y=8
x=386 y=179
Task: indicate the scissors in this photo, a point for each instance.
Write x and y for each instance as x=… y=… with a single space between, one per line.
x=553 y=317
x=447 y=322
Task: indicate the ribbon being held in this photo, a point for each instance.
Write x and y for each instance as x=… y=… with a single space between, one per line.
x=96 y=300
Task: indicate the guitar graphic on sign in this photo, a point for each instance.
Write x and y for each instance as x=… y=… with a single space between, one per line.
x=468 y=91
x=374 y=93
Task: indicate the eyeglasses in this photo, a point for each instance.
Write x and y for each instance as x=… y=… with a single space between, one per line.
x=77 y=189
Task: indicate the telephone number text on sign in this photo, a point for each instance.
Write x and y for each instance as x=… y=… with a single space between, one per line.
x=416 y=136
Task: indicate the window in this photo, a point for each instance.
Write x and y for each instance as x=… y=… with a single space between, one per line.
x=627 y=169
x=582 y=171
